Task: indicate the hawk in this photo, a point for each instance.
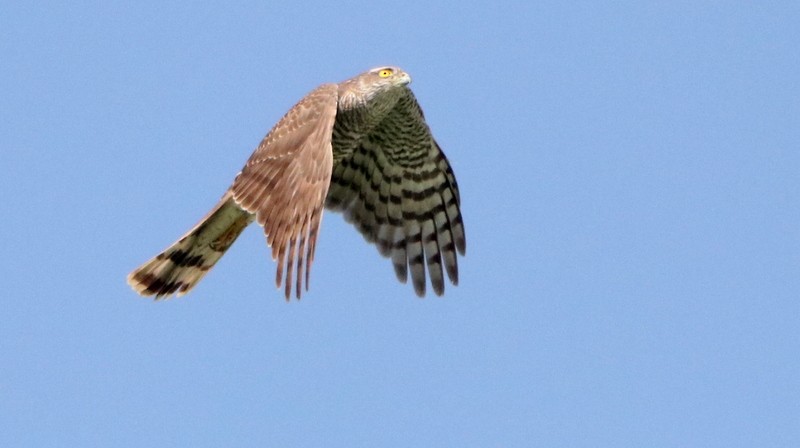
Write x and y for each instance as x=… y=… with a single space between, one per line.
x=360 y=147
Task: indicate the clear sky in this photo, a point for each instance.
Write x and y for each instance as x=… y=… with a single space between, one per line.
x=630 y=182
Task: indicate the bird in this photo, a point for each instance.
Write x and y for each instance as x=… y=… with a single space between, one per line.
x=360 y=147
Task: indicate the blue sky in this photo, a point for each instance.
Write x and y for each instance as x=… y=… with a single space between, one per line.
x=629 y=182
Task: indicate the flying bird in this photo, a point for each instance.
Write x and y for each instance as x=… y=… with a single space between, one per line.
x=360 y=147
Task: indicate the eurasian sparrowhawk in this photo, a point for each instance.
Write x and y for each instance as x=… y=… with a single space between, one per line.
x=360 y=147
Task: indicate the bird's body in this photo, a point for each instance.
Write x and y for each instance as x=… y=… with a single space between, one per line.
x=360 y=147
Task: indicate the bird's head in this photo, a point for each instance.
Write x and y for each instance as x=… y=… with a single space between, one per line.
x=388 y=76
x=381 y=80
x=380 y=85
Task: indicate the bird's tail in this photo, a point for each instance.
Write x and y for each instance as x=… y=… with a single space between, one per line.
x=178 y=268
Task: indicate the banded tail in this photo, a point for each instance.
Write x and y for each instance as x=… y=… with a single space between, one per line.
x=178 y=268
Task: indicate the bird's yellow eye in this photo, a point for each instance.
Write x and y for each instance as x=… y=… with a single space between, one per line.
x=385 y=73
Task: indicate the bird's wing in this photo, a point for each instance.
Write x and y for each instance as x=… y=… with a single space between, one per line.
x=398 y=190
x=285 y=182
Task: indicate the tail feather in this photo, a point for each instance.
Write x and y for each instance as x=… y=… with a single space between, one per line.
x=180 y=267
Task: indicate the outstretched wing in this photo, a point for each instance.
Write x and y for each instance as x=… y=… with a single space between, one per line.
x=398 y=190
x=285 y=182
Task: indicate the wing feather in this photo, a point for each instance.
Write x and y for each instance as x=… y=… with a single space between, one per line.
x=285 y=182
x=398 y=189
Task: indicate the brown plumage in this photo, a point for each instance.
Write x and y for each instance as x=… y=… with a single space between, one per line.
x=360 y=147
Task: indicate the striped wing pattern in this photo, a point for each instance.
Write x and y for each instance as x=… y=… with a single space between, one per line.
x=398 y=190
x=285 y=182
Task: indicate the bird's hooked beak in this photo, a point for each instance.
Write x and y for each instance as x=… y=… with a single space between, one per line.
x=403 y=79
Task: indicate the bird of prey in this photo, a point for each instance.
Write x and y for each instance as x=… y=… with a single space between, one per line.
x=360 y=147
